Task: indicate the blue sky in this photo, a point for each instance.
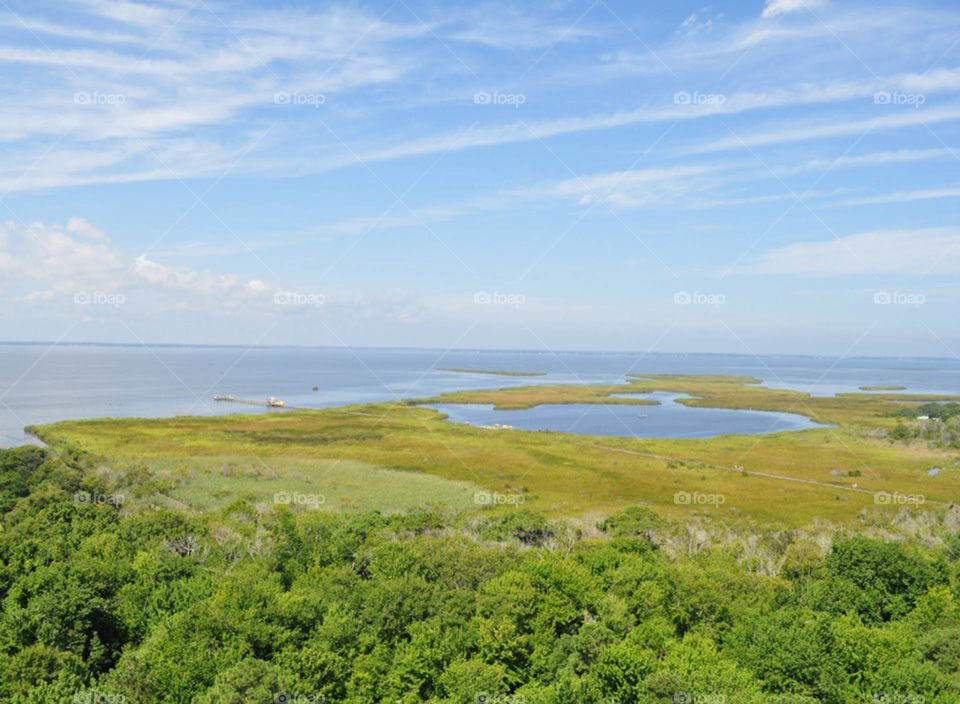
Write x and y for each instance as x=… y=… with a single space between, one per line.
x=769 y=176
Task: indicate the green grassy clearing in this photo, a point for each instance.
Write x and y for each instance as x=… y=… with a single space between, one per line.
x=345 y=485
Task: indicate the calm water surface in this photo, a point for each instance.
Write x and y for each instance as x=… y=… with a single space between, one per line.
x=668 y=419
x=42 y=384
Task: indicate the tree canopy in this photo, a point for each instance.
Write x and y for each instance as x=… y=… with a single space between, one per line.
x=256 y=604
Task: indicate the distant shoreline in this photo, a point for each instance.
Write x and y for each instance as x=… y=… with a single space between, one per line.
x=642 y=353
x=494 y=372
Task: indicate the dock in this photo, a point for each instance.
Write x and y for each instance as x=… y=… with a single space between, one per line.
x=269 y=402
x=275 y=403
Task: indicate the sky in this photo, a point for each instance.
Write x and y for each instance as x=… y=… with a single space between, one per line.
x=759 y=176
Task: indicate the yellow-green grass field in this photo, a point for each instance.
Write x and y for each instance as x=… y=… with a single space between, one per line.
x=212 y=481
x=397 y=455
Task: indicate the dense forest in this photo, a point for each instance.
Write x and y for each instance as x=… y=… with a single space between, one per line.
x=255 y=604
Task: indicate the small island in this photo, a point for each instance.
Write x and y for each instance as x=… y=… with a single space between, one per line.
x=883 y=388
x=495 y=372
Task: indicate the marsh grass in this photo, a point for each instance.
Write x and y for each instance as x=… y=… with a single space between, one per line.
x=209 y=482
x=393 y=455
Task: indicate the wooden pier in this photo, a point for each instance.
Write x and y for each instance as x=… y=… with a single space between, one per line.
x=230 y=398
x=269 y=403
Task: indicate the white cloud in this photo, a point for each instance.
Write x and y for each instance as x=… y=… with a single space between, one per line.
x=701 y=203
x=894 y=156
x=686 y=186
x=203 y=283
x=62 y=260
x=183 y=70
x=804 y=94
x=135 y=13
x=904 y=196
x=907 y=252
x=45 y=265
x=510 y=29
x=59 y=30
x=703 y=44
x=36 y=297
x=775 y=8
x=85 y=229
x=628 y=189
x=57 y=257
x=199 y=74
x=334 y=31
x=801 y=133
x=695 y=25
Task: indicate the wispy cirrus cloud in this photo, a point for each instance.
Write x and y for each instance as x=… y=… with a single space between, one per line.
x=809 y=94
x=807 y=132
x=681 y=187
x=775 y=8
x=904 y=196
x=510 y=28
x=192 y=71
x=922 y=252
x=880 y=158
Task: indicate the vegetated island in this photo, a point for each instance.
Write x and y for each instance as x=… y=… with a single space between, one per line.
x=398 y=455
x=881 y=387
x=494 y=372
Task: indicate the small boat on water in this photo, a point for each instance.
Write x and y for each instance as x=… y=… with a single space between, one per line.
x=275 y=403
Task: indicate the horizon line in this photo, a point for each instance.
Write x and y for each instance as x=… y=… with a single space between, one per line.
x=202 y=345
